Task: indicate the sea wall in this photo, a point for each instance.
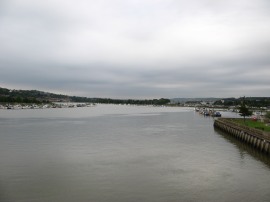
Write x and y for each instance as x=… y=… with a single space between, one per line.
x=254 y=137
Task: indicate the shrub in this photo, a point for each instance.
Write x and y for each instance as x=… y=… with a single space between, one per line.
x=267 y=115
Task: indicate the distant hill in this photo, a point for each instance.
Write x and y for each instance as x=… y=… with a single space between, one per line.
x=35 y=96
x=30 y=96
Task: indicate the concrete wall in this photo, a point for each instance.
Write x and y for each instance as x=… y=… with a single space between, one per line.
x=256 y=138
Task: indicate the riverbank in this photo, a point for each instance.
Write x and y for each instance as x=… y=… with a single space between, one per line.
x=261 y=124
x=252 y=136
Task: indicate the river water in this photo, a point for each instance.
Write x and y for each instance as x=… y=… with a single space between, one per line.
x=112 y=153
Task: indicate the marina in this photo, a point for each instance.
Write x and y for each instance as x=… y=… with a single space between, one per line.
x=208 y=112
x=45 y=106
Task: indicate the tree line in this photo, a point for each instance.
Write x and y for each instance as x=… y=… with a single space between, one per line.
x=250 y=101
x=21 y=100
x=34 y=96
x=162 y=101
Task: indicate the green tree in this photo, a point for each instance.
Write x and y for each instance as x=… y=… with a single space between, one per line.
x=267 y=115
x=243 y=110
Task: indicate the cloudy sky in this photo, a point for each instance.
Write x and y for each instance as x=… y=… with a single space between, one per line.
x=136 y=48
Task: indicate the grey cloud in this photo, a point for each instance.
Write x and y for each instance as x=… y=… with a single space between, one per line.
x=137 y=48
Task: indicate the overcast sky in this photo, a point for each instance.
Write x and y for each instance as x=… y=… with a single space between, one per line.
x=136 y=48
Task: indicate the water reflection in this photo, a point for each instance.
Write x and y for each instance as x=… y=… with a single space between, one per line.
x=244 y=148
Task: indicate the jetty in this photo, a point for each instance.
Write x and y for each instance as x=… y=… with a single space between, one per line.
x=254 y=137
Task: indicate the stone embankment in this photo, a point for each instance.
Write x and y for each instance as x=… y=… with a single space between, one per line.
x=254 y=137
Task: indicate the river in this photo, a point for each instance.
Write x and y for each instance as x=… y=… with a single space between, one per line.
x=112 y=153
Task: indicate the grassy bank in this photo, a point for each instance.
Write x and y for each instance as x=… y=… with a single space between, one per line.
x=253 y=124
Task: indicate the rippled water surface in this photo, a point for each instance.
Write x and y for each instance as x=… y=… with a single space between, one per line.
x=124 y=154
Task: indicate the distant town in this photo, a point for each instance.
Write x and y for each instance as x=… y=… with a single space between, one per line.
x=12 y=98
x=230 y=103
